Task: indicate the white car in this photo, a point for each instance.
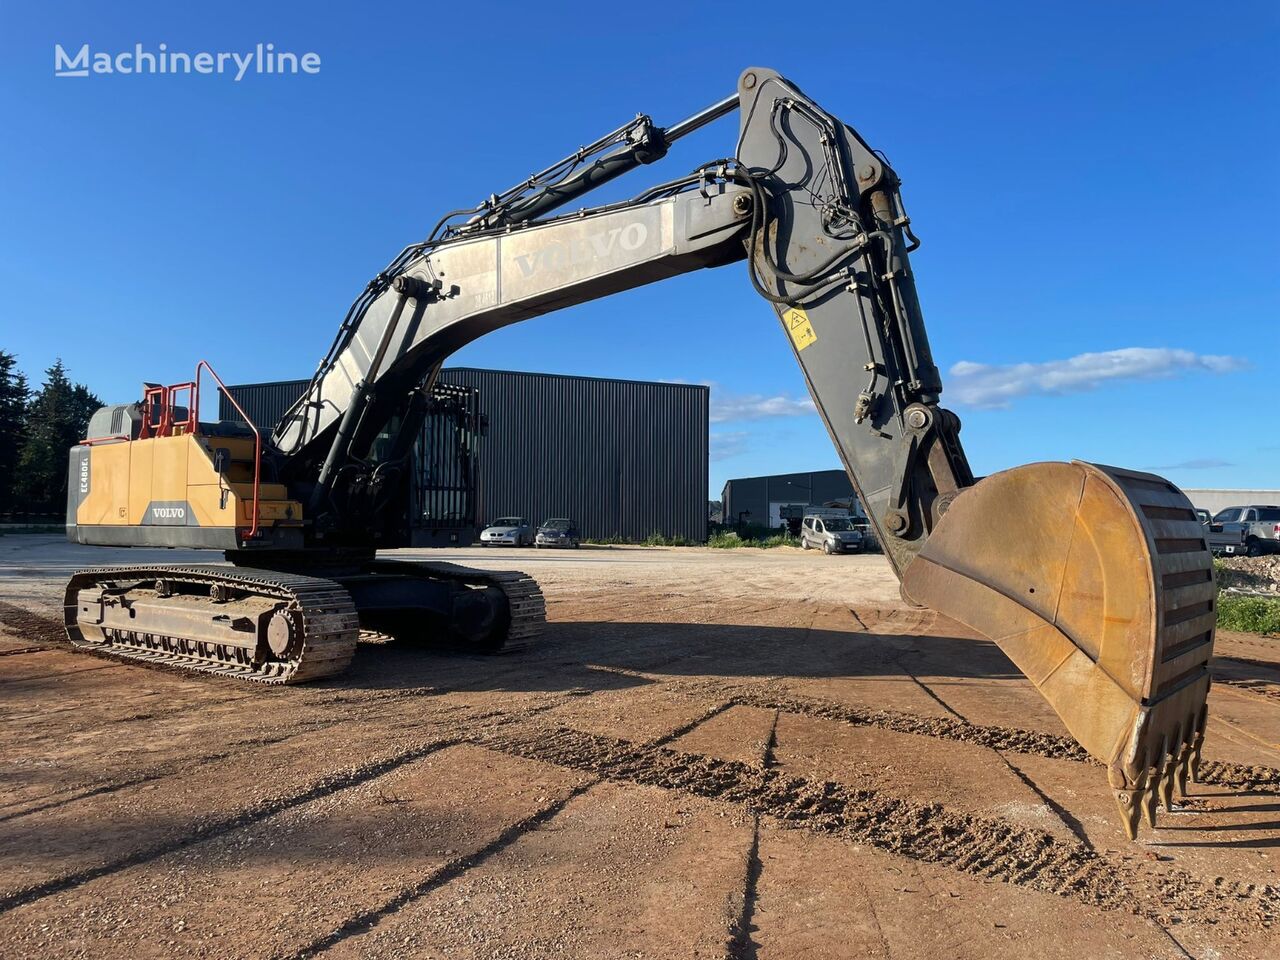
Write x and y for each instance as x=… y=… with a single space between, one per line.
x=830 y=535
x=508 y=531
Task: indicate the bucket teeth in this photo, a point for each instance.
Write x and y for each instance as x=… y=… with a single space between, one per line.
x=1197 y=742
x=1129 y=802
x=1184 y=765
x=1149 y=804
x=1098 y=585
x=1167 y=781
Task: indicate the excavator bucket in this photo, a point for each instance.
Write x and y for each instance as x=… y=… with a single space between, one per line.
x=1098 y=585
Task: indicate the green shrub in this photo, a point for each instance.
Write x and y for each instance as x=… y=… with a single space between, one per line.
x=1248 y=614
x=731 y=540
x=657 y=539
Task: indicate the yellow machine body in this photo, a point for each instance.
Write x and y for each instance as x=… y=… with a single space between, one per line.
x=185 y=489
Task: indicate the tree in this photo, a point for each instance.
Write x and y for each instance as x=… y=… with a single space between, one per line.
x=57 y=419
x=14 y=396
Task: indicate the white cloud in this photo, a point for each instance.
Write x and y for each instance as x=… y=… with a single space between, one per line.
x=724 y=445
x=1200 y=463
x=726 y=407
x=754 y=406
x=993 y=386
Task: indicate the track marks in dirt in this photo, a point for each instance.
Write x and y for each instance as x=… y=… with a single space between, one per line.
x=326 y=785
x=368 y=919
x=1236 y=776
x=364 y=922
x=1265 y=689
x=31 y=626
x=982 y=847
x=18 y=650
x=741 y=945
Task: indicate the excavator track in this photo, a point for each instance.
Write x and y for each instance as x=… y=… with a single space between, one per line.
x=323 y=619
x=527 y=606
x=326 y=621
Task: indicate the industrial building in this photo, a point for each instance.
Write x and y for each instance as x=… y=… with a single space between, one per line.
x=756 y=501
x=1215 y=500
x=624 y=458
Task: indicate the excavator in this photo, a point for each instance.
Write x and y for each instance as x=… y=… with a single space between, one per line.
x=1094 y=580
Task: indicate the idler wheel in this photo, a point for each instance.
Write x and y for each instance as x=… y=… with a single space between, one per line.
x=282 y=633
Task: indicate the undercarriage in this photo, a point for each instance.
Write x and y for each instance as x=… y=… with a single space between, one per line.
x=292 y=626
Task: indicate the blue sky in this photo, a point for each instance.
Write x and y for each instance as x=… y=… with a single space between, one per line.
x=1095 y=185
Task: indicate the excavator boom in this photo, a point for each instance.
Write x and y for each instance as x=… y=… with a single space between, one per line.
x=1094 y=580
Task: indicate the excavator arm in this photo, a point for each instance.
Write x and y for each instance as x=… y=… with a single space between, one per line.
x=815 y=212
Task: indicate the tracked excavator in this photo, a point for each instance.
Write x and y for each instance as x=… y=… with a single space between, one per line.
x=1094 y=580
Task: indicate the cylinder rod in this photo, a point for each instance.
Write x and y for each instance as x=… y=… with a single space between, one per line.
x=700 y=119
x=645 y=149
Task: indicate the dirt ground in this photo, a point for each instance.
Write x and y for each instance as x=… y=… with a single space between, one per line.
x=710 y=754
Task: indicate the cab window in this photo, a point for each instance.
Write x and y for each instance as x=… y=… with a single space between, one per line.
x=808 y=523
x=817 y=525
x=1230 y=515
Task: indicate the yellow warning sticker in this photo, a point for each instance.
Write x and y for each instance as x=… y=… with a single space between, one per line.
x=799 y=328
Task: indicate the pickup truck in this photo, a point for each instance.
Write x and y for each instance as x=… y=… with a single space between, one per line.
x=1258 y=526
x=1218 y=540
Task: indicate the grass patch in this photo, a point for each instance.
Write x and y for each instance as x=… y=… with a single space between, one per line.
x=731 y=541
x=1242 y=611
x=654 y=539
x=1248 y=614
x=657 y=539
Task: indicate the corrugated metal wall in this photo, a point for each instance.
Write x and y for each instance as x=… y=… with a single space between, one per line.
x=265 y=403
x=757 y=494
x=623 y=458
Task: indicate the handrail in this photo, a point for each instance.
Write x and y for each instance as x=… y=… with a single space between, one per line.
x=257 y=435
x=90 y=441
x=192 y=423
x=149 y=396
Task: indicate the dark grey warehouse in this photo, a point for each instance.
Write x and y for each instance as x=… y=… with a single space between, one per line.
x=623 y=458
x=756 y=500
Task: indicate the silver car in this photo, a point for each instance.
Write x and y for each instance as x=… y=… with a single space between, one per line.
x=557 y=532
x=509 y=531
x=830 y=535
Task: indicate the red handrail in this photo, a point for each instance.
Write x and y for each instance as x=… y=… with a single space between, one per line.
x=257 y=436
x=90 y=441
x=149 y=409
x=171 y=401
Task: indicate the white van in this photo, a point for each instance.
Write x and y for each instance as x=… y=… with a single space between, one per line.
x=830 y=533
